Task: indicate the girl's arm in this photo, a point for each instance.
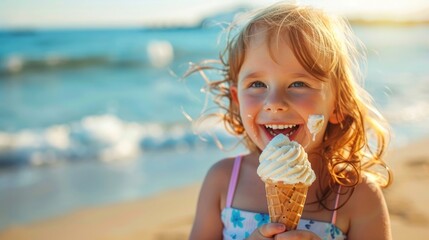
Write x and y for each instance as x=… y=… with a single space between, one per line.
x=207 y=222
x=370 y=217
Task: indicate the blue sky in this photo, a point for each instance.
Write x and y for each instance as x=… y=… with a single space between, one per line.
x=89 y=13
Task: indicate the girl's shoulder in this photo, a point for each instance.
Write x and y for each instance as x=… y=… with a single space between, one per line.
x=217 y=181
x=367 y=212
x=217 y=177
x=367 y=194
x=221 y=169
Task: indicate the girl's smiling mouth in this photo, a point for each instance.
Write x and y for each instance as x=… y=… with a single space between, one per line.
x=288 y=130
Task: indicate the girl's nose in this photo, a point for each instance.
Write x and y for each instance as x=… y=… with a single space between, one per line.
x=275 y=108
x=276 y=103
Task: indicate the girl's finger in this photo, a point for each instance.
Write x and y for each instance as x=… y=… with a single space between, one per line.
x=298 y=235
x=271 y=229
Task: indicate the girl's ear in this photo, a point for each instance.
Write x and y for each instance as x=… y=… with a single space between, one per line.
x=234 y=95
x=336 y=117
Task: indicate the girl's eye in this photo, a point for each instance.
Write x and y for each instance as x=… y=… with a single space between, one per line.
x=258 y=84
x=298 y=85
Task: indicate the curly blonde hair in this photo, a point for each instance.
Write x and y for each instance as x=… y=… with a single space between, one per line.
x=326 y=47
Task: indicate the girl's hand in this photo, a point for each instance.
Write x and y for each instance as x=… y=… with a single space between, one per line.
x=267 y=231
x=277 y=230
x=297 y=235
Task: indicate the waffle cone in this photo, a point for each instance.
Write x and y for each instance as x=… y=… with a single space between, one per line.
x=285 y=202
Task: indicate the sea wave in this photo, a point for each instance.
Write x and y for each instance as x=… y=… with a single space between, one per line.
x=103 y=137
x=156 y=54
x=14 y=64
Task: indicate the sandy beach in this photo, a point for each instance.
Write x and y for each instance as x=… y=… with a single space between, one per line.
x=169 y=215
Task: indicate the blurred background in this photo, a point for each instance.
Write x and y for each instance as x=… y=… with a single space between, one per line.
x=92 y=104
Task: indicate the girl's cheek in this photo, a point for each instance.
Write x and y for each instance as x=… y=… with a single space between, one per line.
x=306 y=101
x=249 y=101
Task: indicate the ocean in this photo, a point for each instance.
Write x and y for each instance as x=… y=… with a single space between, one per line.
x=98 y=116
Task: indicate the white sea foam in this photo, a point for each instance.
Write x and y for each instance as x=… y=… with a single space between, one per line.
x=14 y=63
x=103 y=137
x=160 y=53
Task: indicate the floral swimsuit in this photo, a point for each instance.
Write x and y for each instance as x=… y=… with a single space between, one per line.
x=239 y=224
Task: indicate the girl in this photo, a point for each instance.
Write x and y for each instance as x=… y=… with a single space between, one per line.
x=286 y=63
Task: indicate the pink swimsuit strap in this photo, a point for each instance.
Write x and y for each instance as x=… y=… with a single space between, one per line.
x=337 y=201
x=233 y=181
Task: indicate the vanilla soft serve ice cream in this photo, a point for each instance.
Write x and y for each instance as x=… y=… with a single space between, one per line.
x=315 y=124
x=285 y=161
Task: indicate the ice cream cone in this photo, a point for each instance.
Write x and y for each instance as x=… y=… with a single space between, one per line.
x=285 y=202
x=287 y=173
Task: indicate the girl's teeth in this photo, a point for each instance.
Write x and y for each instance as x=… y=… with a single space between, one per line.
x=286 y=134
x=276 y=126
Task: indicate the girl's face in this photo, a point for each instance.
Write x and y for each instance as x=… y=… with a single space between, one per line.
x=276 y=95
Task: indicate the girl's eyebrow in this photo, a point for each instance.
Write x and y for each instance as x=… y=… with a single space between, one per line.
x=305 y=75
x=301 y=75
x=252 y=75
x=291 y=75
